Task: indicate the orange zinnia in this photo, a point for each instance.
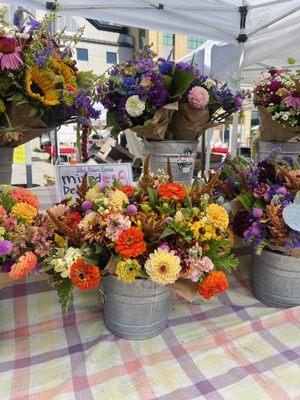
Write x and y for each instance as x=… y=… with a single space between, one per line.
x=171 y=191
x=22 y=195
x=84 y=276
x=130 y=243
x=127 y=189
x=214 y=284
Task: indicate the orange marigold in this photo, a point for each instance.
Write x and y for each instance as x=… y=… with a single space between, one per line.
x=22 y=195
x=84 y=276
x=24 y=266
x=130 y=243
x=214 y=284
x=127 y=189
x=171 y=191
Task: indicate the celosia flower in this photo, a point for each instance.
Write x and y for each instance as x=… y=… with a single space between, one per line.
x=115 y=224
x=163 y=267
x=217 y=216
x=213 y=284
x=83 y=276
x=5 y=247
x=24 y=211
x=134 y=106
x=3 y=213
x=128 y=270
x=24 y=266
x=22 y=195
x=171 y=191
x=198 y=97
x=130 y=243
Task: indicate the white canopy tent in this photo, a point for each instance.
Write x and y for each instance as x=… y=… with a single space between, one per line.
x=266 y=27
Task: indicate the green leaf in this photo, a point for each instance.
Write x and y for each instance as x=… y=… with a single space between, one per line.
x=247 y=200
x=259 y=203
x=180 y=83
x=153 y=198
x=65 y=291
x=167 y=232
x=90 y=261
x=226 y=263
x=92 y=181
x=112 y=118
x=46 y=268
x=260 y=247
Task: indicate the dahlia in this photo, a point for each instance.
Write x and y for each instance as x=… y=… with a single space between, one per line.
x=217 y=216
x=163 y=267
x=213 y=284
x=22 y=195
x=84 y=276
x=171 y=191
x=24 y=266
x=130 y=243
x=198 y=97
x=24 y=211
x=128 y=270
x=134 y=106
x=93 y=193
x=117 y=199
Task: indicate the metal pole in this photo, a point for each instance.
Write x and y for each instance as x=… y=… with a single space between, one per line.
x=28 y=164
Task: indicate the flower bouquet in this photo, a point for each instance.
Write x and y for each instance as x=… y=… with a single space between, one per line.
x=157 y=232
x=40 y=85
x=141 y=94
x=205 y=104
x=277 y=96
x=25 y=234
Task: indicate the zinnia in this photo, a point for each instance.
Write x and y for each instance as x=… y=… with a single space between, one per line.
x=217 y=216
x=171 y=191
x=84 y=276
x=24 y=211
x=10 y=57
x=163 y=267
x=128 y=270
x=22 y=195
x=198 y=97
x=130 y=243
x=214 y=284
x=24 y=266
x=134 y=106
x=127 y=189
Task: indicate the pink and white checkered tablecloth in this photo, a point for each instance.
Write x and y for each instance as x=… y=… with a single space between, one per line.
x=232 y=347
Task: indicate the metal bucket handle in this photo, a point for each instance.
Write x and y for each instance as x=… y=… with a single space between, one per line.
x=103 y=295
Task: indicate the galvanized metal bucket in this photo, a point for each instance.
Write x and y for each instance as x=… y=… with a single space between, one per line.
x=137 y=310
x=6 y=161
x=182 y=155
x=275 y=279
x=291 y=149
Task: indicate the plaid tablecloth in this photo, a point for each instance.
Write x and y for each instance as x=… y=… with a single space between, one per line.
x=232 y=347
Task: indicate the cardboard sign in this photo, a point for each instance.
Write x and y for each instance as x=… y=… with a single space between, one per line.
x=70 y=176
x=20 y=154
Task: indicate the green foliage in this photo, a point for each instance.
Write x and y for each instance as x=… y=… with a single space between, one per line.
x=153 y=198
x=247 y=200
x=112 y=118
x=6 y=198
x=182 y=229
x=64 y=289
x=180 y=83
x=223 y=261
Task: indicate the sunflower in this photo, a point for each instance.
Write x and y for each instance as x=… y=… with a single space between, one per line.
x=62 y=69
x=39 y=86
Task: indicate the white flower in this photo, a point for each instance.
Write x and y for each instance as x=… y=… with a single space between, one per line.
x=209 y=83
x=134 y=106
x=63 y=264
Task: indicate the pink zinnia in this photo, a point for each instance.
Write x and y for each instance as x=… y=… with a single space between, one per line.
x=292 y=101
x=24 y=266
x=10 y=57
x=116 y=224
x=198 y=97
x=2 y=212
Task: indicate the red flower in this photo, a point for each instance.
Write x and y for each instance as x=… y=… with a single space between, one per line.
x=127 y=189
x=171 y=191
x=74 y=219
x=84 y=276
x=130 y=243
x=213 y=284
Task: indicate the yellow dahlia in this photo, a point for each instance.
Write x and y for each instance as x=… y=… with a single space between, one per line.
x=93 y=193
x=117 y=199
x=24 y=211
x=40 y=86
x=217 y=216
x=163 y=267
x=128 y=270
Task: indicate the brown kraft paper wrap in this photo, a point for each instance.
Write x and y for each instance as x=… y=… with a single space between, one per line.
x=158 y=128
x=272 y=131
x=189 y=123
x=31 y=127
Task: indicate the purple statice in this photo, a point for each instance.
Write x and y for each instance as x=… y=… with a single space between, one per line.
x=144 y=65
x=34 y=25
x=165 y=66
x=183 y=66
x=158 y=96
x=128 y=82
x=273 y=153
x=6 y=267
x=81 y=120
x=82 y=100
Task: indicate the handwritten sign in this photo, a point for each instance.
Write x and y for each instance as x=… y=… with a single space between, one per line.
x=70 y=176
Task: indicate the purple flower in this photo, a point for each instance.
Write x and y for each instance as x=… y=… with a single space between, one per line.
x=34 y=25
x=132 y=209
x=255 y=229
x=257 y=212
x=6 y=267
x=168 y=219
x=165 y=247
x=128 y=82
x=281 y=191
x=87 y=205
x=5 y=247
x=183 y=66
x=260 y=190
x=165 y=66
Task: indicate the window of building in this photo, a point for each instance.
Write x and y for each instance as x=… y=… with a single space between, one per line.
x=82 y=54
x=142 y=38
x=194 y=42
x=168 y=39
x=66 y=22
x=111 y=58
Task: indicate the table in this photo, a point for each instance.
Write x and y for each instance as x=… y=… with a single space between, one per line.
x=232 y=347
